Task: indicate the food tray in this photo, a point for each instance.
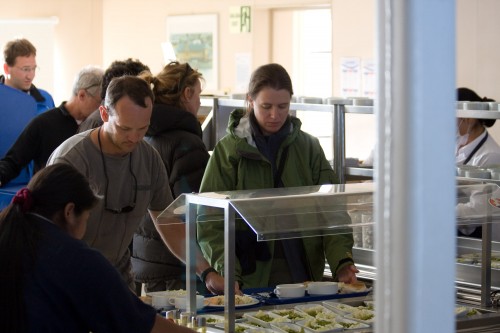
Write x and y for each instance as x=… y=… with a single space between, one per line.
x=267 y=296
x=320 y=325
x=358 y=315
x=238 y=327
x=264 y=318
x=218 y=308
x=348 y=324
x=292 y=314
x=287 y=328
x=315 y=309
x=212 y=320
x=259 y=330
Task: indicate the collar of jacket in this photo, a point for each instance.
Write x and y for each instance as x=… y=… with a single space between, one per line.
x=166 y=118
x=33 y=91
x=239 y=127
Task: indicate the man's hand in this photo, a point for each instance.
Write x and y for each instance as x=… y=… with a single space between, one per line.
x=215 y=284
x=347 y=274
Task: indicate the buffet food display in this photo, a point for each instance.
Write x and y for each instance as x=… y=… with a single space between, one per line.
x=300 y=212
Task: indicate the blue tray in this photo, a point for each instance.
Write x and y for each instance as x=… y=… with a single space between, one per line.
x=267 y=296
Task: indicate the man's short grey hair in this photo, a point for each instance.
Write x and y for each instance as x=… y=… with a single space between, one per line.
x=89 y=79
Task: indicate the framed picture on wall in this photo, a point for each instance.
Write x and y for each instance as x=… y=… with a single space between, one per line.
x=194 y=40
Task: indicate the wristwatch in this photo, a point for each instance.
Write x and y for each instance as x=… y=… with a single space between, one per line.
x=204 y=274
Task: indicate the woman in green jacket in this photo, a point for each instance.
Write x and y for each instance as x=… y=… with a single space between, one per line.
x=265 y=148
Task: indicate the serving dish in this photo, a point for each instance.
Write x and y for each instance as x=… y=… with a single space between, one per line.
x=259 y=330
x=240 y=301
x=238 y=327
x=264 y=318
x=287 y=328
x=344 y=309
x=212 y=319
x=292 y=314
x=362 y=315
x=312 y=309
x=320 y=325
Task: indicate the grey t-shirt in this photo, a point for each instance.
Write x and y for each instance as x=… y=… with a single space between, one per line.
x=108 y=232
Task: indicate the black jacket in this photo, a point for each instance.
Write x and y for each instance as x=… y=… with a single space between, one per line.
x=177 y=136
x=38 y=140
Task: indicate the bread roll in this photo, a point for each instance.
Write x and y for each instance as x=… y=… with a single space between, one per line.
x=356 y=287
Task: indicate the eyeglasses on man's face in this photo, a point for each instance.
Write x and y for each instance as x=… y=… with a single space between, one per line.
x=28 y=69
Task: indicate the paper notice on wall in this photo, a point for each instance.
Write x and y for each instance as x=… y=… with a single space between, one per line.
x=350 y=79
x=368 y=78
x=243 y=72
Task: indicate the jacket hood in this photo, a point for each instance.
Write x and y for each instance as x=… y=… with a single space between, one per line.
x=166 y=118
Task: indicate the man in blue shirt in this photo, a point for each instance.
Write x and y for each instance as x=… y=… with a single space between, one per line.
x=48 y=130
x=20 y=69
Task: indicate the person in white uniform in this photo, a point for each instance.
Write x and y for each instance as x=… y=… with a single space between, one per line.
x=475 y=147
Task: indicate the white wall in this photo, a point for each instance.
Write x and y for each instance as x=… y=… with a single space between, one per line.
x=100 y=31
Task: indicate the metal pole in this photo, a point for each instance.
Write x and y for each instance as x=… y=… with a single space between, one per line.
x=415 y=194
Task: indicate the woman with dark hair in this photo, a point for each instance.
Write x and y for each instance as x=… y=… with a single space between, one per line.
x=474 y=145
x=266 y=148
x=50 y=280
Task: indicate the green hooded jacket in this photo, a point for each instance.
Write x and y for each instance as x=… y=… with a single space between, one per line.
x=237 y=164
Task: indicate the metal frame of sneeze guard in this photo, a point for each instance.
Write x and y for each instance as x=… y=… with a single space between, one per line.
x=265 y=204
x=482 y=207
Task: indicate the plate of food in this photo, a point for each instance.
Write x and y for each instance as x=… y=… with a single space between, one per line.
x=287 y=328
x=239 y=301
x=292 y=314
x=362 y=315
x=212 y=319
x=238 y=327
x=352 y=288
x=313 y=309
x=344 y=309
x=168 y=293
x=259 y=330
x=320 y=325
x=348 y=324
x=264 y=318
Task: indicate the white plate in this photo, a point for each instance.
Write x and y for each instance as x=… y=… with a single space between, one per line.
x=258 y=318
x=292 y=314
x=286 y=327
x=251 y=301
x=349 y=324
x=312 y=309
x=259 y=330
x=340 y=308
x=212 y=319
x=370 y=305
x=238 y=327
x=461 y=311
x=355 y=316
x=168 y=293
x=310 y=323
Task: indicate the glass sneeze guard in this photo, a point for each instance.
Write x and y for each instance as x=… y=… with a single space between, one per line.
x=277 y=213
x=308 y=211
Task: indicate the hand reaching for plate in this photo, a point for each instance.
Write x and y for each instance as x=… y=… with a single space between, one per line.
x=347 y=274
x=215 y=284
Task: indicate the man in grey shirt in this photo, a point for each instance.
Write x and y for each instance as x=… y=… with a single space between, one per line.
x=126 y=170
